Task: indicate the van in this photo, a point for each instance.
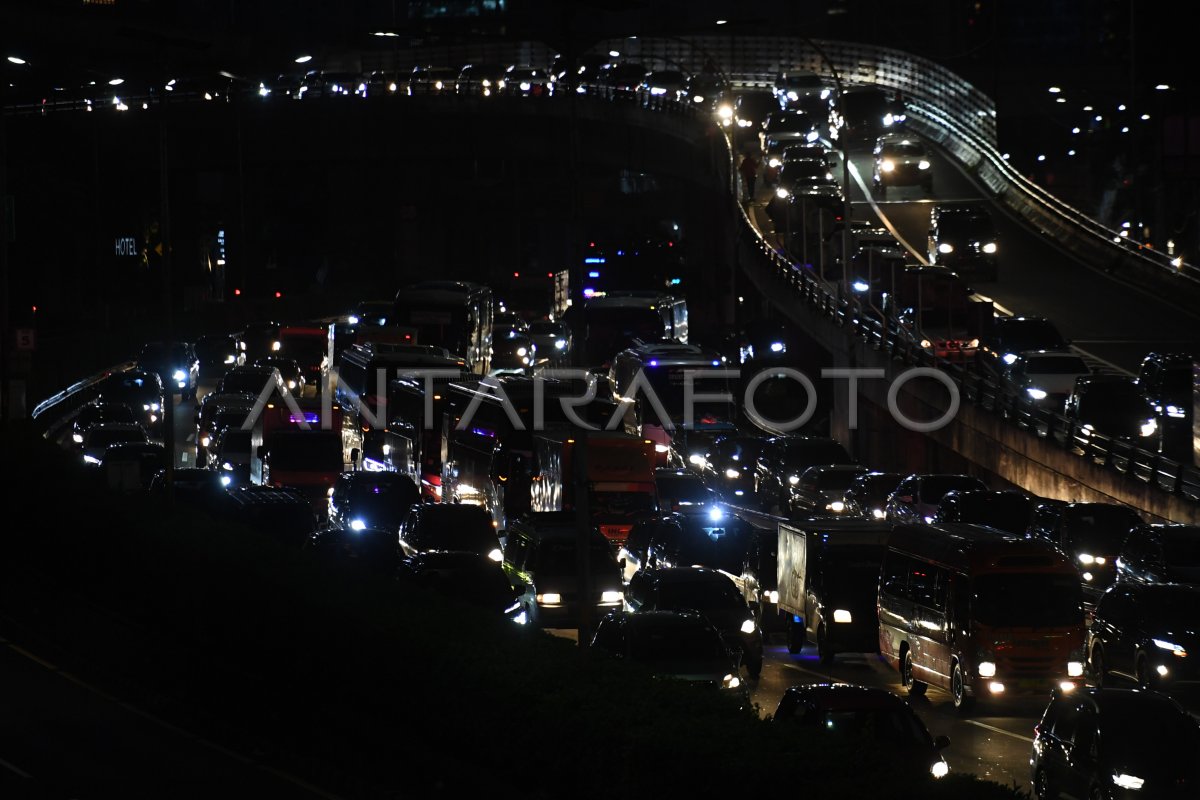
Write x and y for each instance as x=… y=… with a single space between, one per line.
x=979 y=612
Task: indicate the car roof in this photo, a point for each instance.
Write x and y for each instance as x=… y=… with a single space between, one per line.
x=846 y=697
x=116 y=426
x=689 y=575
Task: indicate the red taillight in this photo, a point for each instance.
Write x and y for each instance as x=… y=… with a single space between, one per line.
x=237 y=292
x=278 y=295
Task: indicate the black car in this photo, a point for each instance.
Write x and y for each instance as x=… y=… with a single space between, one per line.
x=821 y=488
x=449 y=527
x=176 y=364
x=1007 y=337
x=728 y=466
x=1102 y=744
x=751 y=107
x=215 y=412
x=709 y=538
x=854 y=713
x=1166 y=380
x=541 y=560
x=464 y=577
x=682 y=645
x=199 y=488
x=289 y=371
x=99 y=437
x=284 y=515
x=1145 y=634
x=1112 y=406
x=1007 y=511
x=260 y=339
x=140 y=390
x=96 y=413
x=218 y=353
x=1161 y=554
x=379 y=500
x=231 y=454
x=131 y=466
x=372 y=550
x=901 y=161
x=784 y=458
x=479 y=80
x=709 y=592
x=252 y=381
x=621 y=81
x=864 y=113
x=917 y=497
x=1091 y=534
x=513 y=352
x=963 y=238
x=868 y=495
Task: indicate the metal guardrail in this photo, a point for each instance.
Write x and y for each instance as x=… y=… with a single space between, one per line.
x=53 y=411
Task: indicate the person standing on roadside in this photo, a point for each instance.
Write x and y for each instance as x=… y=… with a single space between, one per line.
x=749 y=170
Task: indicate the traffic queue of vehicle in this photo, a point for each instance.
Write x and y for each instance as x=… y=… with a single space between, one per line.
x=681 y=536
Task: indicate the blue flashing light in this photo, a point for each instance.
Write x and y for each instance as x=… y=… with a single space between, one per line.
x=311 y=417
x=594 y=274
x=653 y=362
x=484 y=432
x=595 y=260
x=676 y=281
x=620 y=252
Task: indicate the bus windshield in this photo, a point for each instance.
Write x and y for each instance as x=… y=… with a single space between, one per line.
x=1031 y=600
x=610 y=330
x=316 y=451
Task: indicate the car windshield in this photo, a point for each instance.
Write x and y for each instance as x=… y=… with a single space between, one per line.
x=704 y=596
x=1182 y=550
x=304 y=349
x=559 y=557
x=890 y=725
x=1005 y=512
x=935 y=487
x=795 y=123
x=864 y=104
x=1098 y=529
x=1065 y=365
x=163 y=352
x=251 y=382
x=102 y=437
x=720 y=545
x=1178 y=379
x=683 y=490
x=1027 y=600
x=466 y=528
x=806 y=168
x=903 y=149
x=1116 y=402
x=545 y=329
x=306 y=450
x=1141 y=735
x=965 y=226
x=675 y=643
x=1030 y=335
x=807 y=454
x=625 y=504
x=112 y=412
x=208 y=347
x=835 y=479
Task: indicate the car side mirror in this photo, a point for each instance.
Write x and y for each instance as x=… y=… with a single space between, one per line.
x=941 y=742
x=355 y=453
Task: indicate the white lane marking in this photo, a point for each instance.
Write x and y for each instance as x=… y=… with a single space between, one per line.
x=15 y=769
x=169 y=726
x=191 y=437
x=887 y=223
x=994 y=729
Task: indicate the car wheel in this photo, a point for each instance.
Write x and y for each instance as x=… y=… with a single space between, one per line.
x=914 y=686
x=958 y=691
x=1098 y=667
x=795 y=637
x=1042 y=788
x=824 y=649
x=1145 y=678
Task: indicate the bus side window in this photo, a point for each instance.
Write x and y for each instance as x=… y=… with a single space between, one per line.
x=922 y=580
x=941 y=590
x=895 y=574
x=960 y=603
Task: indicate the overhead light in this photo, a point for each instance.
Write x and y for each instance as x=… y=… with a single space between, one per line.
x=116 y=81
x=16 y=60
x=613 y=53
x=1055 y=90
x=722 y=21
x=1162 y=87
x=388 y=34
x=303 y=59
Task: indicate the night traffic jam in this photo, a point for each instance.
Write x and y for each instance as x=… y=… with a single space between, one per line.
x=543 y=400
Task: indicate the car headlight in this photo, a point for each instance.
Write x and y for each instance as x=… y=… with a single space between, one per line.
x=226 y=480
x=887 y=165
x=1075 y=669
x=974 y=343
x=357 y=525
x=1126 y=781
x=1174 y=649
x=495 y=554
x=227 y=466
x=612 y=596
x=1086 y=558
x=179 y=375
x=771 y=596
x=793 y=96
x=353 y=320
x=716 y=514
x=793 y=479
x=744 y=123
x=878 y=513
x=205 y=441
x=77 y=438
x=939 y=769
x=522 y=351
x=748 y=626
x=989 y=248
x=694 y=458
x=731 y=681
x=923 y=164
x=1009 y=358
x=888 y=119
x=549 y=599
x=1149 y=427
x=1035 y=393
x=837 y=506
x=276 y=345
x=842 y=615
x=725 y=112
x=774 y=163
x=88 y=459
x=987 y=669
x=329 y=492
x=1176 y=412
x=782 y=193
x=945 y=248
x=230 y=359
x=732 y=474
x=560 y=344
x=661 y=448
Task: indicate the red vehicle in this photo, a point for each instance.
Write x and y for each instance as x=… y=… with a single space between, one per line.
x=294 y=446
x=620 y=474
